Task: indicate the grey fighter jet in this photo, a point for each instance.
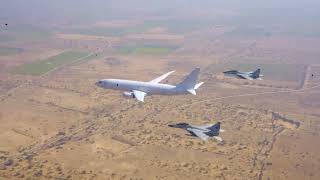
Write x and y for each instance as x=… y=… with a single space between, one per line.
x=202 y=132
x=245 y=75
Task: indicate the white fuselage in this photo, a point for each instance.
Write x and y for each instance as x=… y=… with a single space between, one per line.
x=147 y=87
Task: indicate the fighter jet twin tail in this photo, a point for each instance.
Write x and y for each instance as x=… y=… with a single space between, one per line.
x=139 y=89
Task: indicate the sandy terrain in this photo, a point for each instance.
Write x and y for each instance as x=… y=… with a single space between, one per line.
x=61 y=126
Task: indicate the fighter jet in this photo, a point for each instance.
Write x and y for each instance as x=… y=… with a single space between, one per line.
x=244 y=75
x=202 y=132
x=139 y=89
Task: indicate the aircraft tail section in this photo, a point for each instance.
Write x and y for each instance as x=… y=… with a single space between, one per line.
x=215 y=128
x=190 y=82
x=256 y=74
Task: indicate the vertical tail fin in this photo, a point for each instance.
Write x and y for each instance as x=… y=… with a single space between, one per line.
x=190 y=81
x=216 y=127
x=256 y=74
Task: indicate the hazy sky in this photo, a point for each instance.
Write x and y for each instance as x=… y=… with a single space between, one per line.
x=26 y=10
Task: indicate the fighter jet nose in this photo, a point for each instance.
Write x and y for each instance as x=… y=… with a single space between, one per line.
x=173 y=126
x=99 y=83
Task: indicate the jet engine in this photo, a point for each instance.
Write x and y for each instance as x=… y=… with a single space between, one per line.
x=128 y=94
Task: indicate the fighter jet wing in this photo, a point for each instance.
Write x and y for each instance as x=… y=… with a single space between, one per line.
x=160 y=78
x=245 y=76
x=139 y=95
x=199 y=134
x=205 y=126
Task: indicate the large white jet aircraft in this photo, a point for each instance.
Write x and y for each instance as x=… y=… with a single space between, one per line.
x=139 y=89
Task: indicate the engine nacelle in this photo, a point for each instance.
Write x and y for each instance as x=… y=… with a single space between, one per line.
x=128 y=94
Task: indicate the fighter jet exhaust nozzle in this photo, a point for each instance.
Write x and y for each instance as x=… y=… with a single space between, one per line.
x=128 y=94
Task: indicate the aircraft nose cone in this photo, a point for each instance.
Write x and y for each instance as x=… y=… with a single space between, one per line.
x=99 y=83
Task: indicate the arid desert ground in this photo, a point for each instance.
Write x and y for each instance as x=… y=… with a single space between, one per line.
x=56 y=124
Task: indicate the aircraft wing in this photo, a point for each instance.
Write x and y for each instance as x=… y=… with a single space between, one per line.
x=160 y=78
x=205 y=126
x=139 y=95
x=244 y=76
x=199 y=134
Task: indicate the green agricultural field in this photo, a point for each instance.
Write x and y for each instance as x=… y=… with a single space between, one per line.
x=6 y=51
x=43 y=66
x=145 y=50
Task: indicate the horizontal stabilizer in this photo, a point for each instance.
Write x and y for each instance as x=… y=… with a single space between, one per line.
x=217 y=138
x=198 y=85
x=192 y=91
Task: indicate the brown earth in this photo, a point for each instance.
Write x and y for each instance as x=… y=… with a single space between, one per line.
x=61 y=126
